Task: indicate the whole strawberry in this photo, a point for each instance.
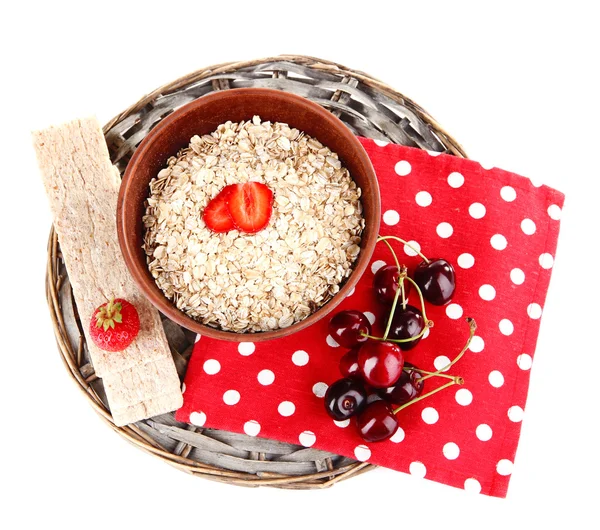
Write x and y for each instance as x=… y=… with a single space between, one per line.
x=114 y=325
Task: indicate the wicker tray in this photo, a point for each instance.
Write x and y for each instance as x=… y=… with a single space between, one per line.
x=369 y=108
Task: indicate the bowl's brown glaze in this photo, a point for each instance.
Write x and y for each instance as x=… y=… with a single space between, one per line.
x=202 y=117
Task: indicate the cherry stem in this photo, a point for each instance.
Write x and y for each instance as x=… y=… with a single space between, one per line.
x=428 y=323
x=425 y=372
x=410 y=339
x=402 y=272
x=402 y=275
x=385 y=238
x=456 y=381
x=472 y=329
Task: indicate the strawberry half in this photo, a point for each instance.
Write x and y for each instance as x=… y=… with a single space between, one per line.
x=250 y=206
x=216 y=214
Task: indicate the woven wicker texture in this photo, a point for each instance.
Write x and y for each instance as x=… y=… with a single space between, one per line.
x=370 y=108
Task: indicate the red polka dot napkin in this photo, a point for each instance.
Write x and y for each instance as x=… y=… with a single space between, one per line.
x=500 y=233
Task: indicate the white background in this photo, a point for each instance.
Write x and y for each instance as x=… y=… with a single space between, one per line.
x=516 y=84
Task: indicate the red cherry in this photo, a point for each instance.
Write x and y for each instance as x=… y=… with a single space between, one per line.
x=385 y=284
x=377 y=422
x=380 y=363
x=349 y=362
x=437 y=280
x=345 y=398
x=408 y=387
x=406 y=323
x=347 y=328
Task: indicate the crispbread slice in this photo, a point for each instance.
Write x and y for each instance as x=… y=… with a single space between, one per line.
x=82 y=186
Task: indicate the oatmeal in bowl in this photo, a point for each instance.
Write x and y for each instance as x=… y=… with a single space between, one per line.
x=271 y=279
x=248 y=212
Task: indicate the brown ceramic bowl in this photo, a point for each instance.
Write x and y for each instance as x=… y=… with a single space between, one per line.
x=202 y=117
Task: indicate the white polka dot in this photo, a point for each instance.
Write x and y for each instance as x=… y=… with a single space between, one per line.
x=342 y=424
x=504 y=467
x=466 y=260
x=456 y=180
x=546 y=261
x=498 y=241
x=463 y=397
x=402 y=168
x=417 y=469
x=231 y=397
x=433 y=153
x=554 y=212
x=444 y=230
x=391 y=217
x=351 y=292
x=528 y=227
x=198 y=337
x=534 y=311
x=212 y=366
x=252 y=428
x=319 y=389
x=451 y=451
x=398 y=436
x=307 y=438
x=441 y=361
x=496 y=379
x=286 y=408
x=362 y=453
x=524 y=361
x=300 y=358
x=411 y=248
x=376 y=265
x=508 y=193
x=515 y=413
x=183 y=388
x=266 y=377
x=370 y=317
x=536 y=182
x=425 y=333
x=487 y=292
x=487 y=165
x=331 y=342
x=381 y=143
x=423 y=198
x=472 y=485
x=430 y=415
x=517 y=276
x=484 y=432
x=506 y=327
x=198 y=418
x=477 y=344
x=454 y=311
x=477 y=210
x=246 y=348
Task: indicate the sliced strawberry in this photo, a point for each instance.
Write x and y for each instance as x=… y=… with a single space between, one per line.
x=216 y=214
x=250 y=206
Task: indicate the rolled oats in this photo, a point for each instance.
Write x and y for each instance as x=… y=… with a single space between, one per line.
x=253 y=282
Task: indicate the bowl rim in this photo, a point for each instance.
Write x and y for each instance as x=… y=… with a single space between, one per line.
x=139 y=271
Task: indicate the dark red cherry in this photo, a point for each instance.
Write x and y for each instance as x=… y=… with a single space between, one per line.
x=349 y=362
x=345 y=398
x=380 y=363
x=436 y=280
x=407 y=388
x=406 y=323
x=385 y=284
x=377 y=422
x=347 y=328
